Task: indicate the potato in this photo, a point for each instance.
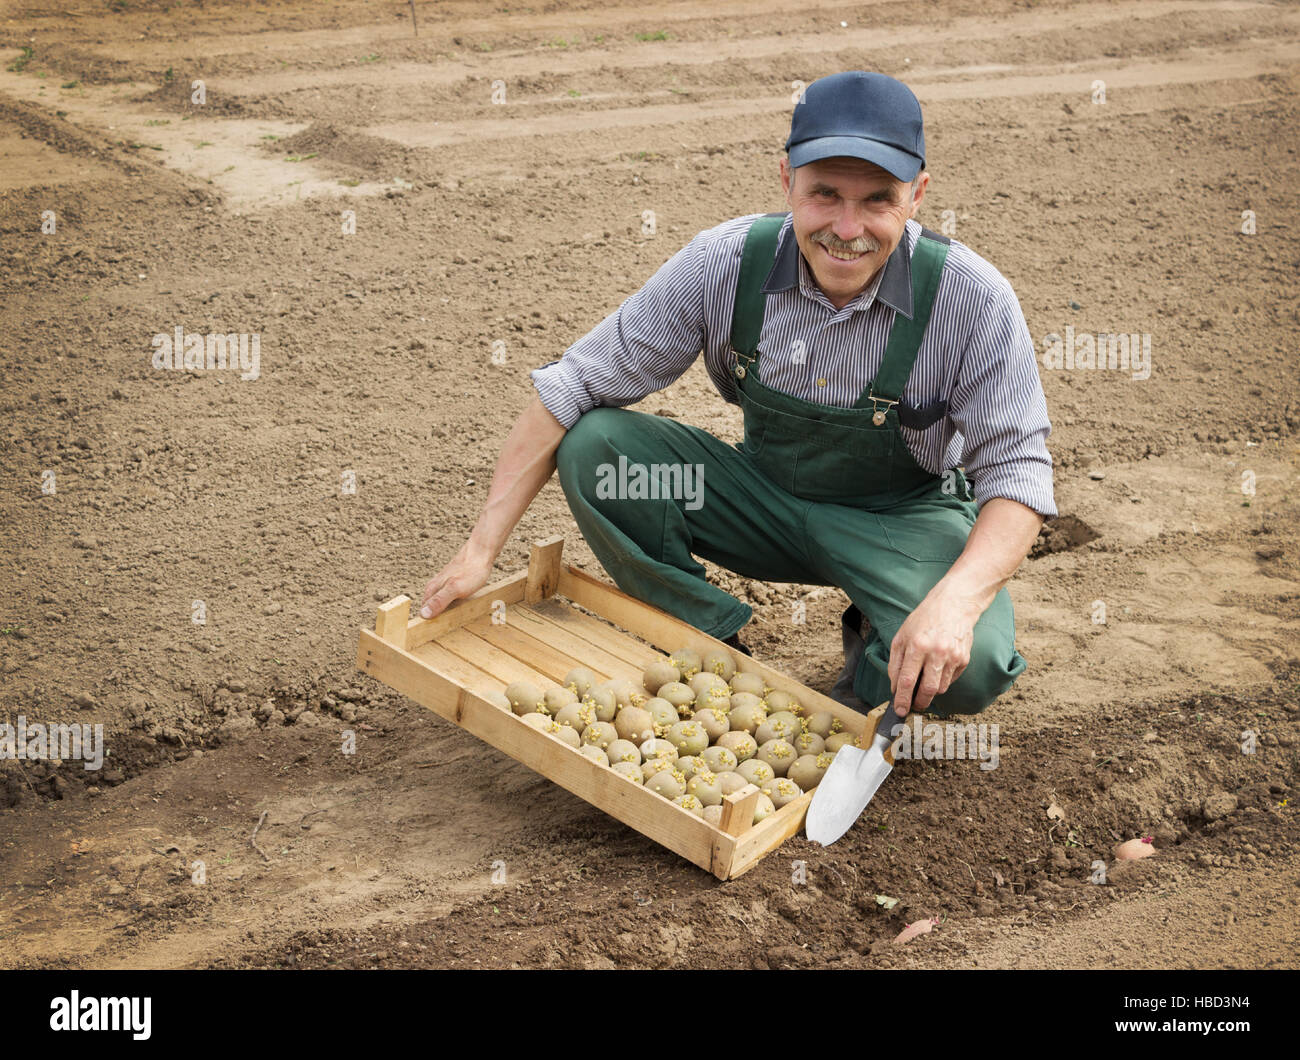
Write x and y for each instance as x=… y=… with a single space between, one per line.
x=600 y=733
x=776 y=728
x=635 y=724
x=624 y=751
x=690 y=803
x=566 y=734
x=689 y=737
x=689 y=765
x=778 y=700
x=657 y=748
x=730 y=783
x=719 y=759
x=704 y=786
x=667 y=782
x=604 y=701
x=807 y=770
x=664 y=714
x=681 y=696
x=739 y=743
x=627 y=769
x=781 y=791
x=808 y=743
x=720 y=662
x=658 y=674
x=580 y=680
x=687 y=662
x=557 y=698
x=525 y=697
x=747 y=712
x=498 y=699
x=821 y=723
x=715 y=723
x=836 y=740
x=756 y=771
x=628 y=694
x=577 y=715
x=763 y=808
x=713 y=815
x=651 y=766
x=752 y=684
x=590 y=750
x=702 y=682
x=536 y=720
x=778 y=754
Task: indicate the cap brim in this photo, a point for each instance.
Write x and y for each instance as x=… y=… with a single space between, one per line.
x=900 y=164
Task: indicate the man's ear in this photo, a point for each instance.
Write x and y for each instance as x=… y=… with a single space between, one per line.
x=920 y=193
x=787 y=178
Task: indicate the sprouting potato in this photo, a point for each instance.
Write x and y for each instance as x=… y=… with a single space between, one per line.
x=681 y=696
x=658 y=674
x=663 y=712
x=556 y=698
x=590 y=750
x=691 y=803
x=604 y=701
x=704 y=786
x=628 y=694
x=689 y=737
x=577 y=715
x=715 y=722
x=689 y=765
x=713 y=815
x=498 y=699
x=750 y=683
x=787 y=717
x=747 y=712
x=719 y=759
x=687 y=662
x=657 y=748
x=635 y=724
x=756 y=771
x=782 y=791
x=667 y=782
x=730 y=782
x=778 y=754
x=580 y=681
x=778 y=729
x=525 y=697
x=807 y=770
x=836 y=740
x=808 y=743
x=713 y=699
x=720 y=662
x=704 y=681
x=651 y=766
x=600 y=733
x=564 y=733
x=778 y=700
x=763 y=808
x=624 y=751
x=739 y=743
x=837 y=726
x=537 y=720
x=627 y=769
x=821 y=723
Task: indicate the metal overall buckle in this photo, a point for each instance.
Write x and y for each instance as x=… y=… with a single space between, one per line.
x=740 y=368
x=878 y=416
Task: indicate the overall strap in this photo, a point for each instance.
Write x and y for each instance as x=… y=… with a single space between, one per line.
x=905 y=335
x=755 y=264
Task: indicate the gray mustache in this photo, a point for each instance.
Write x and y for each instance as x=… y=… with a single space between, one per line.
x=861 y=245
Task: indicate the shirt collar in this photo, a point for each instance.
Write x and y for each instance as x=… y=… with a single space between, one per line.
x=893 y=284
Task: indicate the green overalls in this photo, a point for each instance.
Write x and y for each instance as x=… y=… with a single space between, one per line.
x=815 y=494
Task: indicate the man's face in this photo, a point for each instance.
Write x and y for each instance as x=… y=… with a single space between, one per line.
x=848 y=217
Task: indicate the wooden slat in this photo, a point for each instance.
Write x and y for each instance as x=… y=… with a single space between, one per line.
x=489 y=658
x=450 y=665
x=391 y=620
x=669 y=633
x=542 y=657
x=769 y=834
x=634 y=805
x=543 y=569
x=421 y=631
x=637 y=654
x=596 y=659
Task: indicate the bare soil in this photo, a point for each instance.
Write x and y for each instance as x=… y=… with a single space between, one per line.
x=197 y=494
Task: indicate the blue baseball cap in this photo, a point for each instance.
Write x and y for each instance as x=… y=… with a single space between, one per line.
x=859 y=115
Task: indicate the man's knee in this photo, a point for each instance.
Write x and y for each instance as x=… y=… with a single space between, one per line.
x=993 y=668
x=585 y=445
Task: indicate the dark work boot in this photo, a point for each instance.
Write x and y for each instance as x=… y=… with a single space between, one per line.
x=734 y=642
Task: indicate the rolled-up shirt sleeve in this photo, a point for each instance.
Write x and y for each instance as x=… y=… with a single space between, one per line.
x=998 y=406
x=643 y=346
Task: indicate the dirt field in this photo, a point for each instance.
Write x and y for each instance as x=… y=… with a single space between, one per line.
x=181 y=495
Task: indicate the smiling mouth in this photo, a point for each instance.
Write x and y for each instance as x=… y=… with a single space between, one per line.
x=842 y=255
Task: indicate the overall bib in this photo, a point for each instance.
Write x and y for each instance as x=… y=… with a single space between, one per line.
x=815 y=494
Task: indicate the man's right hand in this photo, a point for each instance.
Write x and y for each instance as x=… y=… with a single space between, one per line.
x=466 y=574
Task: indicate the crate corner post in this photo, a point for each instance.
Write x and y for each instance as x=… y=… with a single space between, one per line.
x=391 y=621
x=543 y=569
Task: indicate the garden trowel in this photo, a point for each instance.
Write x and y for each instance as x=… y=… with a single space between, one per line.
x=853 y=778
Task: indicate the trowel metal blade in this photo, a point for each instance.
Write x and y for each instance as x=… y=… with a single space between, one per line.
x=852 y=780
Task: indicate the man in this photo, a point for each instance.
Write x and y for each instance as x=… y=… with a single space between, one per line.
x=873 y=360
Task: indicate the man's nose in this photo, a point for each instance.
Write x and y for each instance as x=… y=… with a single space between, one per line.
x=848 y=225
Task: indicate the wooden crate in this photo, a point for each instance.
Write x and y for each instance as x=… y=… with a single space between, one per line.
x=448 y=664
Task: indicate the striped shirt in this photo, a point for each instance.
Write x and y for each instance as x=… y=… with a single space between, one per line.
x=977 y=354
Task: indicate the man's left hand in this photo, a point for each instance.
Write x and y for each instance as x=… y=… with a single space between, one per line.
x=930 y=650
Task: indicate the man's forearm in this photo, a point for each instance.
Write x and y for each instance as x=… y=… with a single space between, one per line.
x=1002 y=536
x=526 y=463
